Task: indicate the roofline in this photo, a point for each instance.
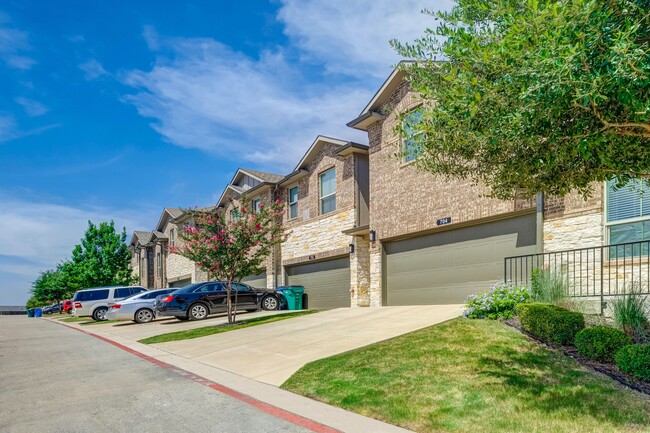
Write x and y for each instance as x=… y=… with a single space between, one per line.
x=298 y=174
x=319 y=138
x=352 y=147
x=165 y=211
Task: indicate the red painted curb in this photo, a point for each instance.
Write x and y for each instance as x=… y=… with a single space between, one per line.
x=260 y=405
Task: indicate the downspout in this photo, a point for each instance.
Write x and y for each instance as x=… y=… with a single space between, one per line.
x=275 y=247
x=539 y=244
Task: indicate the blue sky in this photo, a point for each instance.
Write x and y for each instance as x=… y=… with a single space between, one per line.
x=115 y=110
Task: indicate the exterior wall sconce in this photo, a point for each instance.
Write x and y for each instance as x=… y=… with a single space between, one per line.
x=351 y=248
x=373 y=236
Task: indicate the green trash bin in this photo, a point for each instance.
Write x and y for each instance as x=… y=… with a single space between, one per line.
x=30 y=312
x=293 y=294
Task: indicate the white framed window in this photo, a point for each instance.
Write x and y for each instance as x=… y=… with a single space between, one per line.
x=234 y=214
x=293 y=202
x=328 y=191
x=410 y=147
x=256 y=205
x=159 y=262
x=172 y=237
x=627 y=215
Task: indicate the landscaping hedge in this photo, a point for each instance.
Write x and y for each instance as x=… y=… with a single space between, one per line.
x=601 y=343
x=635 y=360
x=550 y=322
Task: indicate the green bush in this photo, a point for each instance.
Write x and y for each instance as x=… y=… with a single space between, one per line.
x=630 y=314
x=550 y=322
x=548 y=287
x=498 y=302
x=635 y=360
x=601 y=343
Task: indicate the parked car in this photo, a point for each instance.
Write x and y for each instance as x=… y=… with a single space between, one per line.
x=54 y=308
x=94 y=302
x=197 y=301
x=138 y=308
x=67 y=306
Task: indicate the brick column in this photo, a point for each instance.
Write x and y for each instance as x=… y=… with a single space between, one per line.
x=360 y=272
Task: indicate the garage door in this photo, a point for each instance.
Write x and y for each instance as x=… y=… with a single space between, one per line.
x=257 y=281
x=445 y=268
x=327 y=284
x=181 y=283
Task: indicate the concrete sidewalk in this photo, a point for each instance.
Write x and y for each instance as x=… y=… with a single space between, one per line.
x=242 y=360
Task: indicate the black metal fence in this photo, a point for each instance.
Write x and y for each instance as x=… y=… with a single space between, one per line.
x=603 y=271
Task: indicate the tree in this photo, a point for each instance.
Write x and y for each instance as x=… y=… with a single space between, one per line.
x=534 y=96
x=231 y=250
x=53 y=285
x=101 y=259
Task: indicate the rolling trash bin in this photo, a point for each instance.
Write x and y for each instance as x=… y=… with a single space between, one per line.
x=38 y=312
x=30 y=312
x=293 y=295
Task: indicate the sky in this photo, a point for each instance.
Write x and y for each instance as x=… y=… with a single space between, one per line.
x=116 y=110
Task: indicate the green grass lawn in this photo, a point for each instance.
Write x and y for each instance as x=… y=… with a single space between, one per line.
x=210 y=330
x=472 y=376
x=74 y=319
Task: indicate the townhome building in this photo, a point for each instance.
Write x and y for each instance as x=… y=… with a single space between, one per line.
x=327 y=200
x=435 y=241
x=142 y=257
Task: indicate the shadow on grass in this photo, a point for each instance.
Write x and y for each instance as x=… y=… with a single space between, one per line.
x=551 y=383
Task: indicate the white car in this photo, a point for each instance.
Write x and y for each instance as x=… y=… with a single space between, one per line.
x=138 y=308
x=94 y=302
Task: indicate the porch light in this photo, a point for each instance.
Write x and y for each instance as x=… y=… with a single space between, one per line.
x=351 y=248
x=373 y=236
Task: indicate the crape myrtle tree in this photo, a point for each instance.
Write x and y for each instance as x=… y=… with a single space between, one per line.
x=534 y=95
x=229 y=250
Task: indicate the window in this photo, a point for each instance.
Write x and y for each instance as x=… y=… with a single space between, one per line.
x=93 y=295
x=234 y=214
x=241 y=287
x=293 y=202
x=122 y=293
x=256 y=205
x=172 y=237
x=159 y=263
x=410 y=147
x=628 y=216
x=328 y=191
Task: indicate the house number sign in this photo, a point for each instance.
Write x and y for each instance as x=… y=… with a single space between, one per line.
x=443 y=221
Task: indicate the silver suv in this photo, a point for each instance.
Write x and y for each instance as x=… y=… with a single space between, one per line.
x=94 y=302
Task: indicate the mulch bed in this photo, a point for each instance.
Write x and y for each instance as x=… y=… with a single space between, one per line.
x=606 y=369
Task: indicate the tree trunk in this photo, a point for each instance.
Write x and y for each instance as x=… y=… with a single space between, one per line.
x=228 y=302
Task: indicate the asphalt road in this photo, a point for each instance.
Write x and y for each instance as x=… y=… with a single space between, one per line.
x=56 y=379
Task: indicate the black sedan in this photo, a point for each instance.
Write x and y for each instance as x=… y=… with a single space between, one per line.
x=197 y=301
x=54 y=308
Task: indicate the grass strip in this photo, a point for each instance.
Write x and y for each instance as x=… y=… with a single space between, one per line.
x=472 y=375
x=211 y=330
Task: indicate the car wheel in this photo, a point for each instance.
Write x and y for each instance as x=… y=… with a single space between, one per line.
x=99 y=314
x=143 y=315
x=270 y=303
x=198 y=311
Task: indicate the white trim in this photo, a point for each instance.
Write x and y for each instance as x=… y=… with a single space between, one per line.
x=289 y=217
x=320 y=190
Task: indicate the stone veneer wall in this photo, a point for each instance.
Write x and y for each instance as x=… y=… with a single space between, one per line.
x=376 y=274
x=321 y=237
x=360 y=272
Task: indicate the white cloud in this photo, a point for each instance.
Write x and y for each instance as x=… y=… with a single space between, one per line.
x=204 y=95
x=93 y=69
x=13 y=44
x=9 y=129
x=352 y=37
x=32 y=108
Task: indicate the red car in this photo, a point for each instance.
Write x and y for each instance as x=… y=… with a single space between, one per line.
x=67 y=306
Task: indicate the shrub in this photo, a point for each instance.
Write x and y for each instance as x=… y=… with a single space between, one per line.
x=635 y=360
x=601 y=343
x=630 y=315
x=497 y=302
x=550 y=322
x=548 y=287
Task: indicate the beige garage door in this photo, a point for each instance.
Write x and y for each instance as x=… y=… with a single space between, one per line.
x=327 y=284
x=257 y=281
x=445 y=268
x=181 y=283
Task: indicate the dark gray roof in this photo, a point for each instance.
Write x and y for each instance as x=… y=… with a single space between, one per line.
x=174 y=212
x=143 y=237
x=266 y=177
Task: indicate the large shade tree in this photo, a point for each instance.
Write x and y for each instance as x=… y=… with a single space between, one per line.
x=534 y=95
x=232 y=248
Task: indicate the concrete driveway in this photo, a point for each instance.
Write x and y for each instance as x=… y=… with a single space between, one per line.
x=273 y=352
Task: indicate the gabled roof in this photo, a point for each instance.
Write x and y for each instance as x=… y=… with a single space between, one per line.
x=169 y=213
x=371 y=113
x=316 y=147
x=158 y=235
x=234 y=190
x=141 y=238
